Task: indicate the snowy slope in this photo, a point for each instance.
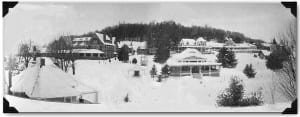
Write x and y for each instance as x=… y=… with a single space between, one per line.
x=113 y=82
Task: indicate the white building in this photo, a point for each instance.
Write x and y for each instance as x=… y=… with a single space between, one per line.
x=199 y=44
x=193 y=63
x=206 y=47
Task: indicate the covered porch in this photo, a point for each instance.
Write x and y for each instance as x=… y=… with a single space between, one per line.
x=197 y=71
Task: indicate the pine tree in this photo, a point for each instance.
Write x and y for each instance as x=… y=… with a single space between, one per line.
x=153 y=71
x=249 y=71
x=165 y=70
x=232 y=95
x=227 y=58
x=126 y=99
x=134 y=61
x=123 y=54
x=162 y=55
x=163 y=52
x=276 y=58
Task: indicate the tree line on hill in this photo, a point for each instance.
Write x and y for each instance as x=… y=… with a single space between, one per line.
x=166 y=35
x=171 y=32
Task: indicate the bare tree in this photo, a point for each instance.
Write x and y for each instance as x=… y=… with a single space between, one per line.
x=25 y=52
x=11 y=64
x=62 y=50
x=287 y=80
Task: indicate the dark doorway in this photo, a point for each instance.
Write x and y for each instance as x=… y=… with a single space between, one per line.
x=195 y=69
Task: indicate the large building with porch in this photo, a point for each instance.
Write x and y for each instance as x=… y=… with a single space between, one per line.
x=192 y=62
x=97 y=41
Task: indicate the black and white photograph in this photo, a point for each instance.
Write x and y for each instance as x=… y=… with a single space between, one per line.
x=149 y=56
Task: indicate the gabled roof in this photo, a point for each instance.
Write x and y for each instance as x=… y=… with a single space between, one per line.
x=193 y=57
x=190 y=53
x=201 y=39
x=47 y=82
x=104 y=41
x=188 y=41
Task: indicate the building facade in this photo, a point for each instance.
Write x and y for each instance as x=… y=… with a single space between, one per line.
x=191 y=62
x=199 y=44
x=104 y=44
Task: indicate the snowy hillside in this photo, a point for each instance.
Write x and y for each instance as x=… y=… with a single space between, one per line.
x=114 y=81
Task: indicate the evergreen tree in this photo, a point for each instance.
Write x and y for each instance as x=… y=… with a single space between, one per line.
x=227 y=58
x=275 y=59
x=165 y=70
x=232 y=95
x=126 y=99
x=123 y=54
x=153 y=71
x=162 y=54
x=249 y=71
x=134 y=61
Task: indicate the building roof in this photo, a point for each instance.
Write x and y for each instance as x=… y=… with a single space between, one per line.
x=266 y=44
x=192 y=54
x=48 y=82
x=266 y=52
x=101 y=38
x=133 y=44
x=82 y=39
x=201 y=39
x=87 y=51
x=186 y=41
x=214 y=44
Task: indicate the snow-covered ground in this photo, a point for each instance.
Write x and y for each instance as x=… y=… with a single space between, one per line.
x=114 y=81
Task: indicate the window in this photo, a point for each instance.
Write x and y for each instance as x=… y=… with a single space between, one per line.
x=95 y=54
x=214 y=67
x=88 y=54
x=185 y=68
x=81 y=54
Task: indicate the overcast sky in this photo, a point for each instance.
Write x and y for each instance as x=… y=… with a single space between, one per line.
x=42 y=22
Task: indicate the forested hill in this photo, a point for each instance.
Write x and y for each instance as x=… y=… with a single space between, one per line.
x=169 y=33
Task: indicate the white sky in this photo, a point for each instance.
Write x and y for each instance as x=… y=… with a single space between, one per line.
x=42 y=22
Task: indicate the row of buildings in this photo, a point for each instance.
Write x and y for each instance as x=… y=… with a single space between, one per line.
x=203 y=46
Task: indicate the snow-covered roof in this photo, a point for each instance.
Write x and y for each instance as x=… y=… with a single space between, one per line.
x=201 y=39
x=266 y=52
x=133 y=44
x=214 y=44
x=186 y=41
x=101 y=38
x=241 y=45
x=192 y=54
x=87 y=51
x=266 y=44
x=82 y=39
x=46 y=82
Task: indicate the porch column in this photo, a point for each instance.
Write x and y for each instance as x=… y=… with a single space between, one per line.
x=191 y=70
x=199 y=69
x=96 y=99
x=179 y=71
x=209 y=72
